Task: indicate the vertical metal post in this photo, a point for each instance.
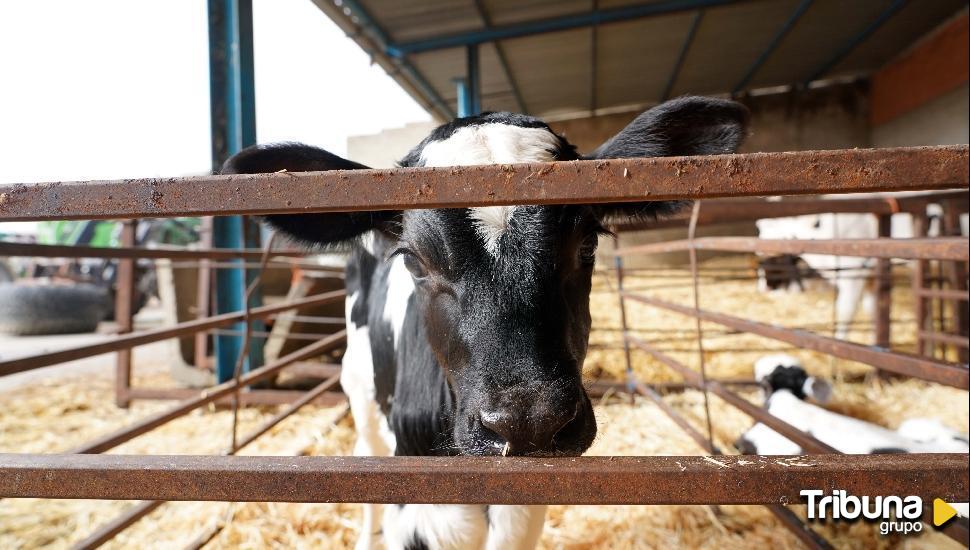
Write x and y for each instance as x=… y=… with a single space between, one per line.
x=618 y=263
x=956 y=273
x=233 y=111
x=474 y=80
x=884 y=289
x=919 y=283
x=203 y=296
x=464 y=102
x=124 y=302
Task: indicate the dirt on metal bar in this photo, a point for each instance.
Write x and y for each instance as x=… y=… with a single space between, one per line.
x=744 y=479
x=570 y=182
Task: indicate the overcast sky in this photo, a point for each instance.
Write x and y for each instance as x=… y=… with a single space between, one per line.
x=119 y=88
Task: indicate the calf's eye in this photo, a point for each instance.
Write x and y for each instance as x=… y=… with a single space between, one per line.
x=414 y=265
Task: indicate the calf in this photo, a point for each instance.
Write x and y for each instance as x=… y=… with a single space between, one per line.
x=787 y=386
x=848 y=274
x=468 y=327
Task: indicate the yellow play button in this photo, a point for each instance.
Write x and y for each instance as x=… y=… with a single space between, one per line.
x=942 y=512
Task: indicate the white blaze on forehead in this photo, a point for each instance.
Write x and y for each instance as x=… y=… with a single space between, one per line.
x=492 y=143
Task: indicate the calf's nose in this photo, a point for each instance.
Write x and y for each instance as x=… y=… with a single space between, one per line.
x=530 y=428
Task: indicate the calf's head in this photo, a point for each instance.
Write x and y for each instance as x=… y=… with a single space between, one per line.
x=503 y=292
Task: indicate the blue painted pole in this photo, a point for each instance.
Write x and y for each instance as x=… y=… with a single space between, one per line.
x=474 y=80
x=463 y=99
x=233 y=111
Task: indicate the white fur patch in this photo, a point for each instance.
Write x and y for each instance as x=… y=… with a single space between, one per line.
x=848 y=435
x=444 y=526
x=492 y=143
x=514 y=527
x=400 y=287
x=766 y=365
x=374 y=435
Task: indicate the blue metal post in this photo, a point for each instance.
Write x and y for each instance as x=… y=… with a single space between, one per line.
x=233 y=111
x=474 y=80
x=463 y=97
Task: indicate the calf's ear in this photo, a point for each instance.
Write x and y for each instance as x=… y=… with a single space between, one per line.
x=326 y=229
x=684 y=126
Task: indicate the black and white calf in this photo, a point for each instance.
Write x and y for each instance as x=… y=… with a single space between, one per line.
x=468 y=327
x=787 y=386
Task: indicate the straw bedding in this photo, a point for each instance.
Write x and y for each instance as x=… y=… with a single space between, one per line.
x=58 y=414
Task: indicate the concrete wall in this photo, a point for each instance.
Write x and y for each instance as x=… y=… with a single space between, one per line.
x=383 y=150
x=941 y=121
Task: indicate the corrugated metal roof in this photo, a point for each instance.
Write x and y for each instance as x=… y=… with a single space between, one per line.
x=633 y=61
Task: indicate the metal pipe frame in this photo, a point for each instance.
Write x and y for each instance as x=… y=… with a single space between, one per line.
x=130 y=340
x=939 y=248
x=108 y=531
x=210 y=395
x=573 y=182
x=129 y=252
x=742 y=210
x=899 y=363
x=787 y=518
x=479 y=480
x=804 y=440
x=563 y=23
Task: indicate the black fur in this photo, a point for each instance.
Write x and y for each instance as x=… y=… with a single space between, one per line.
x=787 y=378
x=310 y=229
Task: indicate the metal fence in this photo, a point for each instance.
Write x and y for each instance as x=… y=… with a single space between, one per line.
x=715 y=479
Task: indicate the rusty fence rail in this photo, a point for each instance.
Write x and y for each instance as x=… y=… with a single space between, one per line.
x=941 y=248
x=590 y=181
x=481 y=480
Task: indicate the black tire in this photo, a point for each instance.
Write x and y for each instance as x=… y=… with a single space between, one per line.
x=51 y=309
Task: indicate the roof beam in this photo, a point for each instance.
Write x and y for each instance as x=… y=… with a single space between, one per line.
x=773 y=45
x=384 y=41
x=502 y=59
x=555 y=24
x=682 y=55
x=854 y=42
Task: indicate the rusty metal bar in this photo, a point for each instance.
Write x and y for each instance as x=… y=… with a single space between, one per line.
x=899 y=363
x=804 y=440
x=945 y=338
x=142 y=509
x=247 y=398
x=124 y=520
x=884 y=288
x=146 y=337
x=592 y=181
x=127 y=251
x=210 y=395
x=799 y=528
x=942 y=248
x=943 y=294
x=307 y=398
x=124 y=305
x=480 y=480
x=788 y=518
x=699 y=438
x=742 y=210
x=203 y=295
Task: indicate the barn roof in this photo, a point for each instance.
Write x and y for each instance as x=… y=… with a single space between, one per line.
x=552 y=57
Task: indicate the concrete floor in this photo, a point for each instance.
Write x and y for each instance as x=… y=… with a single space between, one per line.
x=150 y=356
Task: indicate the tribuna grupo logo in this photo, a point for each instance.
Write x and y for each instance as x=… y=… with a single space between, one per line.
x=895 y=514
